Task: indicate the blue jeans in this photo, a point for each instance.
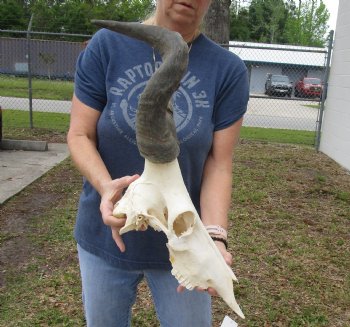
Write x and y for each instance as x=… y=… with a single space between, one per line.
x=110 y=292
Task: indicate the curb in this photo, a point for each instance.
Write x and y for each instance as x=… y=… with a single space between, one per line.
x=24 y=145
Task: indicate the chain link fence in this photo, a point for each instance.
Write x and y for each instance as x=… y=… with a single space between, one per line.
x=288 y=84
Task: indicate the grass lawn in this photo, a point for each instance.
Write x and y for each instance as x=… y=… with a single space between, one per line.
x=289 y=234
x=48 y=125
x=42 y=88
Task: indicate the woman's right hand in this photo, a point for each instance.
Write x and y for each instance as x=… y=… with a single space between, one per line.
x=112 y=192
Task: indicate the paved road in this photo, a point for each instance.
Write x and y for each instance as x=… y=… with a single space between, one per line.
x=281 y=113
x=37 y=105
x=262 y=112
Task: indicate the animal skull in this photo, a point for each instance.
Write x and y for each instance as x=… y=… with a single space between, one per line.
x=159 y=198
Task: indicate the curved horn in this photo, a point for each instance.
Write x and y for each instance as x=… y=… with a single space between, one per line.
x=155 y=126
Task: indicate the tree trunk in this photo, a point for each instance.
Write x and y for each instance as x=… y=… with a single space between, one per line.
x=217 y=21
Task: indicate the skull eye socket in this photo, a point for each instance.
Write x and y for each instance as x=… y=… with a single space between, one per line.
x=183 y=223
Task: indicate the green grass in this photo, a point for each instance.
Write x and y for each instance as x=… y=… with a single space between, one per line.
x=52 y=121
x=16 y=125
x=315 y=106
x=278 y=135
x=42 y=89
x=289 y=223
x=46 y=126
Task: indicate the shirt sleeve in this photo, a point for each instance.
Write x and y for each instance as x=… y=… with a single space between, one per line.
x=90 y=77
x=232 y=100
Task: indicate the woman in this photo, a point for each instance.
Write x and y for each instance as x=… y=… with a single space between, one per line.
x=208 y=109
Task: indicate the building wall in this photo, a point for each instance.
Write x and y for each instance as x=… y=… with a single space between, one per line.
x=49 y=58
x=335 y=139
x=258 y=74
x=258 y=77
x=316 y=73
x=295 y=74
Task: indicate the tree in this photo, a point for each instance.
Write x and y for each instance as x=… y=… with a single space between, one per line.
x=70 y=16
x=239 y=25
x=307 y=24
x=13 y=15
x=217 y=21
x=134 y=10
x=299 y=22
x=267 y=20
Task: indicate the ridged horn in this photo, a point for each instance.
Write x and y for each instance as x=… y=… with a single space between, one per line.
x=155 y=127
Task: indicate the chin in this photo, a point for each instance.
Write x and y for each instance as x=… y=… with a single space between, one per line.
x=182 y=21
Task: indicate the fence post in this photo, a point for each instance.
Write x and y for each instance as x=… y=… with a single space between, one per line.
x=0 y=126
x=30 y=91
x=325 y=90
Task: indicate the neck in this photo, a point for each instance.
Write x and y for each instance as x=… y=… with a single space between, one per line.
x=188 y=35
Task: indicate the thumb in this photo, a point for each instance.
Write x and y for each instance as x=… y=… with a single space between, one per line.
x=125 y=181
x=120 y=184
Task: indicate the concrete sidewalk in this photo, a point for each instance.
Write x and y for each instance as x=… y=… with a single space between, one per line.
x=20 y=168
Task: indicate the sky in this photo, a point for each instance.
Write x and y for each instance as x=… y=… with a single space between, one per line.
x=332 y=6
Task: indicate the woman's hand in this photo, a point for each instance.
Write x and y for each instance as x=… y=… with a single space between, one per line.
x=112 y=192
x=228 y=259
x=227 y=255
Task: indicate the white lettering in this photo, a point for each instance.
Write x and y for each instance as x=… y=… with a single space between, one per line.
x=116 y=91
x=190 y=82
x=138 y=68
x=124 y=82
x=131 y=74
x=200 y=95
x=202 y=104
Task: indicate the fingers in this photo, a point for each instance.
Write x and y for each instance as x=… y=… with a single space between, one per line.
x=115 y=223
x=106 y=208
x=211 y=291
x=180 y=288
x=226 y=255
x=113 y=192
x=228 y=259
x=118 y=185
x=118 y=239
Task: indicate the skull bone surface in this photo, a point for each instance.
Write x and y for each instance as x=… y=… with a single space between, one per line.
x=160 y=199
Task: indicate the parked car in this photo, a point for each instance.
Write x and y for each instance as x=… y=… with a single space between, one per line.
x=278 y=85
x=310 y=87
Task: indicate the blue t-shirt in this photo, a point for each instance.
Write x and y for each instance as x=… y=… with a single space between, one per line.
x=111 y=74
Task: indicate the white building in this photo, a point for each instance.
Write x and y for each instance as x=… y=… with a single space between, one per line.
x=335 y=138
x=294 y=61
